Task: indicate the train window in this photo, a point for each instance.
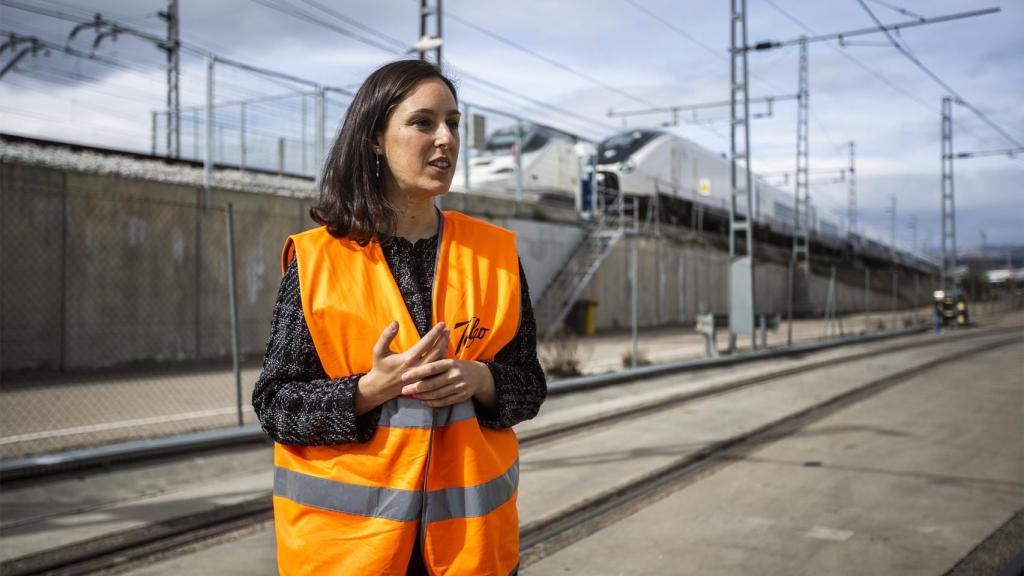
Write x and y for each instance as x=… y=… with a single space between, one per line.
x=621 y=146
x=534 y=141
x=501 y=141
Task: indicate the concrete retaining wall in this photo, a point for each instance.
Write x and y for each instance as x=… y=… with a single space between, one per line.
x=101 y=270
x=104 y=271
x=677 y=282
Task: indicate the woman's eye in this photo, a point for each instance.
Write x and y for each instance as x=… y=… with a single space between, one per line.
x=421 y=122
x=453 y=124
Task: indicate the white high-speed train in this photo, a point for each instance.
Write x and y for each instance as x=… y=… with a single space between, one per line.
x=648 y=162
x=640 y=162
x=549 y=160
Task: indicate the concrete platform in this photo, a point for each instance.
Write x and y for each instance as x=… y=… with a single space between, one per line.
x=907 y=482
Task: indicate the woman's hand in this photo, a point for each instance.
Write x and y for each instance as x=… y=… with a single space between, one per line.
x=384 y=381
x=449 y=381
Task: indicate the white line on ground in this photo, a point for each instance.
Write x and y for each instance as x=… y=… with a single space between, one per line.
x=121 y=424
x=823 y=533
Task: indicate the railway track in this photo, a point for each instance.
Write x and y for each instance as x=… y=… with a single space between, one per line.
x=546 y=537
x=119 y=552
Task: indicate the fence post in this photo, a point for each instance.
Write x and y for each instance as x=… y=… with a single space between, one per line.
x=789 y=302
x=867 y=300
x=241 y=138
x=220 y=145
x=208 y=153
x=318 y=133
x=152 y=131
x=303 y=147
x=917 y=298
x=634 y=279
x=519 y=164
x=236 y=365
x=467 y=118
x=895 y=292
x=280 y=155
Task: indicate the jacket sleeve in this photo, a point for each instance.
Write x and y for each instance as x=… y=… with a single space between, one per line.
x=519 y=383
x=295 y=401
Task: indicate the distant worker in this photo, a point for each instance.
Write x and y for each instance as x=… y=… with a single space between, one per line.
x=586 y=192
x=402 y=351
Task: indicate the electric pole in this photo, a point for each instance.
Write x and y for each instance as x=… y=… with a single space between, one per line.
x=104 y=28
x=892 y=254
x=892 y=224
x=173 y=72
x=851 y=195
x=801 y=249
x=429 y=41
x=948 y=207
x=741 y=266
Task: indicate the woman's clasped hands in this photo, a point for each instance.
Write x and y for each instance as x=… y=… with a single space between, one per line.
x=423 y=372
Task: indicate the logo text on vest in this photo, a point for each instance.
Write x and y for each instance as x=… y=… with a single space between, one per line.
x=471 y=330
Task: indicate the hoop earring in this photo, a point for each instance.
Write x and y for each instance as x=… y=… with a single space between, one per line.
x=378 y=164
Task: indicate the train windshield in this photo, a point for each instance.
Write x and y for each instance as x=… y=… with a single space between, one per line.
x=501 y=141
x=621 y=146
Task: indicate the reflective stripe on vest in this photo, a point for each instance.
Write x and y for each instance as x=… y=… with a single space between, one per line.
x=354 y=508
x=393 y=504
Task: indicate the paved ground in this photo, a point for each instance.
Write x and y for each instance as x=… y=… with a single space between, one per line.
x=907 y=482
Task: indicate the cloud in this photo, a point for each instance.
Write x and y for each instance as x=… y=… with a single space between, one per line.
x=897 y=137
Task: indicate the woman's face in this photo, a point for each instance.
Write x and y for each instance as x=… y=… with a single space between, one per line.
x=420 y=143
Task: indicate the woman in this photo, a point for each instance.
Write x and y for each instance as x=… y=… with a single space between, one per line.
x=402 y=352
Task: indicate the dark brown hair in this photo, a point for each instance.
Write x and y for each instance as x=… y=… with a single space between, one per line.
x=352 y=200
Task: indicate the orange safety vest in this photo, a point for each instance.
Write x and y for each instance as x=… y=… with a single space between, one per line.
x=354 y=508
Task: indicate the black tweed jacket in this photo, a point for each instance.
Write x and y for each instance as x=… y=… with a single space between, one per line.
x=297 y=404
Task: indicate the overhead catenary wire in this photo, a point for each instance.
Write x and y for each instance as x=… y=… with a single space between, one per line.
x=353 y=22
x=846 y=55
x=560 y=65
x=63 y=122
x=949 y=89
x=299 y=13
x=305 y=16
x=151 y=74
x=877 y=75
x=903 y=11
x=186 y=46
x=721 y=55
x=676 y=29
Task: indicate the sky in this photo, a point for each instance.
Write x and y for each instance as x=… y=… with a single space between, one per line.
x=580 y=59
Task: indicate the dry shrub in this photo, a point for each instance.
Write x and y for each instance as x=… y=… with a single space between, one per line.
x=560 y=355
x=641 y=359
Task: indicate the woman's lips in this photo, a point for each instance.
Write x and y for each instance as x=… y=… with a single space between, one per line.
x=441 y=164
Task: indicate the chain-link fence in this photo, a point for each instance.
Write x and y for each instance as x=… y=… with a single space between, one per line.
x=117 y=319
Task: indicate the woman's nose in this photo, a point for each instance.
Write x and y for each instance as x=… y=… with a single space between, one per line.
x=444 y=136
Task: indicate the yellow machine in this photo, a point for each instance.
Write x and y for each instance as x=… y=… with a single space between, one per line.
x=951 y=307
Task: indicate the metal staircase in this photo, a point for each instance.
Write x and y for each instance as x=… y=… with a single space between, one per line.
x=562 y=292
